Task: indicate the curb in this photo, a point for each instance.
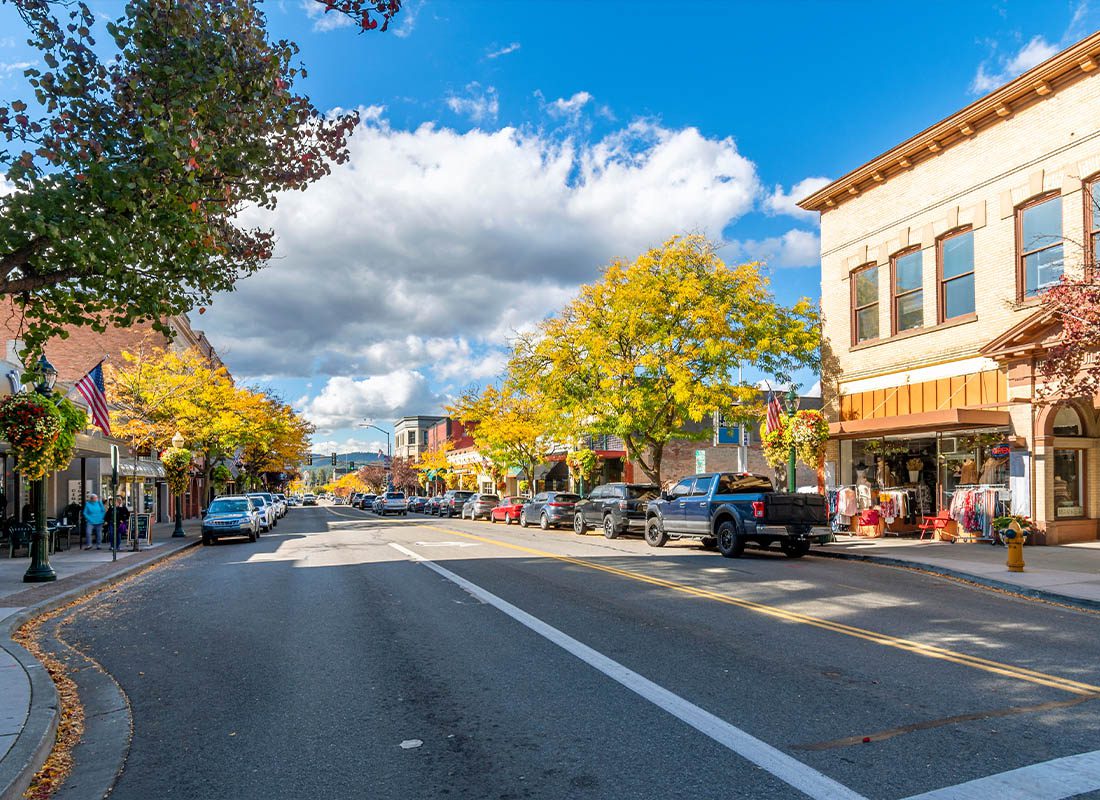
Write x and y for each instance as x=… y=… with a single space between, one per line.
x=947 y=572
x=35 y=742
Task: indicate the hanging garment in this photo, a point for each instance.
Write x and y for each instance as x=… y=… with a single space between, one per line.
x=968 y=472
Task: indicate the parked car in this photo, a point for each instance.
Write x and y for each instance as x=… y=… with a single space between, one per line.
x=549 y=510
x=432 y=505
x=480 y=505
x=268 y=520
x=417 y=503
x=450 y=505
x=615 y=508
x=728 y=510
x=280 y=509
x=377 y=503
x=294 y=500
x=232 y=515
x=309 y=500
x=394 y=503
x=508 y=509
x=281 y=504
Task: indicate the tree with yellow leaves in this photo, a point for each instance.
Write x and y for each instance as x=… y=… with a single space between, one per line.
x=508 y=426
x=434 y=468
x=656 y=343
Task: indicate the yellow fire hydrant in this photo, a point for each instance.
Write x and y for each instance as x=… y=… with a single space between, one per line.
x=1014 y=540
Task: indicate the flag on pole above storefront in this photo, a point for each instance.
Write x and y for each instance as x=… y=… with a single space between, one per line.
x=774 y=412
x=91 y=388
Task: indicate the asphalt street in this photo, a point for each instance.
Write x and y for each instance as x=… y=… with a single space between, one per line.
x=349 y=656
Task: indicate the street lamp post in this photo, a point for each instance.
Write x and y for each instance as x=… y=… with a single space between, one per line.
x=40 y=570
x=178 y=442
x=389 y=454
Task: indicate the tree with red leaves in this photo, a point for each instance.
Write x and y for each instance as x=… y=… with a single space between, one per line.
x=1071 y=367
x=127 y=170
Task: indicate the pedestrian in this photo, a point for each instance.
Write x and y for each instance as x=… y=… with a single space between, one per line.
x=118 y=519
x=94 y=513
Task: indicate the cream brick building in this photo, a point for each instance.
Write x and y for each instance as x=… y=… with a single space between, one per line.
x=932 y=258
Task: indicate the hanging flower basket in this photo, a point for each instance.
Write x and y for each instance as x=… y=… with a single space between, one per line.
x=809 y=434
x=177 y=468
x=41 y=430
x=776 y=444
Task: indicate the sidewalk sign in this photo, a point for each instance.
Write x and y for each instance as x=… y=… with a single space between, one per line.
x=143 y=529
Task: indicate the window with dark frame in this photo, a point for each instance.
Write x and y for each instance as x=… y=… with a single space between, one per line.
x=865 y=304
x=955 y=257
x=1039 y=246
x=1092 y=220
x=907 y=288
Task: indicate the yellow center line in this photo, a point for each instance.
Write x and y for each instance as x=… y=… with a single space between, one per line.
x=908 y=645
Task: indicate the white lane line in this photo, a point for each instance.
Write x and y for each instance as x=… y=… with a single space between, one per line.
x=1050 y=780
x=789 y=770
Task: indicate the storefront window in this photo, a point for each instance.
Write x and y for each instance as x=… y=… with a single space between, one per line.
x=1068 y=484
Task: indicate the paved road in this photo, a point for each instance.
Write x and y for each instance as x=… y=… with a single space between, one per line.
x=531 y=664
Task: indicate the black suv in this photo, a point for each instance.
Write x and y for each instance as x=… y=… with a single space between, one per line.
x=615 y=508
x=450 y=505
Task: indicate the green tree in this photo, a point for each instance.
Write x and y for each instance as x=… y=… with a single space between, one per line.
x=656 y=343
x=130 y=164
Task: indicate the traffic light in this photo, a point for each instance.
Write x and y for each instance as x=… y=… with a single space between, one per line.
x=334 y=459
x=351 y=465
x=309 y=460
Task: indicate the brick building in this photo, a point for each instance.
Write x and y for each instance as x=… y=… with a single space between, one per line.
x=933 y=259
x=141 y=475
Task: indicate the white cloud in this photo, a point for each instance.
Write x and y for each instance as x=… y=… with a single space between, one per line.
x=11 y=67
x=795 y=248
x=571 y=107
x=7 y=41
x=345 y=401
x=324 y=20
x=406 y=19
x=503 y=51
x=988 y=78
x=480 y=105
x=782 y=202
x=430 y=248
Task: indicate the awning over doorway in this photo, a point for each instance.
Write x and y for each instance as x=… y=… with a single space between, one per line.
x=129 y=467
x=950 y=419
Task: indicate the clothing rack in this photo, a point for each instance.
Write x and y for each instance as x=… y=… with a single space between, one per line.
x=979 y=520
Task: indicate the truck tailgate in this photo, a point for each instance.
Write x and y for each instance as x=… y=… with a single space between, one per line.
x=781 y=508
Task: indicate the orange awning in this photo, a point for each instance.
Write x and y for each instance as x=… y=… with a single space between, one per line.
x=951 y=419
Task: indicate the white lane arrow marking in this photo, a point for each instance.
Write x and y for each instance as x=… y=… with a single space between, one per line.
x=787 y=769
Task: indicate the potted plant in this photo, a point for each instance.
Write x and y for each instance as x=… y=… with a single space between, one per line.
x=914 y=465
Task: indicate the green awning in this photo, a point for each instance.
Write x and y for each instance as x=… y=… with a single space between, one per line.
x=513 y=472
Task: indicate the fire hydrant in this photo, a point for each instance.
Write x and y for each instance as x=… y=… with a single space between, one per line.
x=1014 y=540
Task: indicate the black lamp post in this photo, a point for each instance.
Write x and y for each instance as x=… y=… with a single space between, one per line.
x=177 y=442
x=40 y=570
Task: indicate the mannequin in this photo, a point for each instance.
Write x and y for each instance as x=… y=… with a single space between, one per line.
x=968 y=473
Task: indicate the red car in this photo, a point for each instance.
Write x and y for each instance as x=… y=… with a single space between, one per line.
x=508 y=510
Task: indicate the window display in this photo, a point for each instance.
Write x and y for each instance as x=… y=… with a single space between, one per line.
x=1068 y=484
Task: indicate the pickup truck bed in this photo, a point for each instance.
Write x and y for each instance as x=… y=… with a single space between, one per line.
x=730 y=510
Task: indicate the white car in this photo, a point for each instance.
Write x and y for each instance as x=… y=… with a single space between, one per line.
x=268 y=516
x=394 y=503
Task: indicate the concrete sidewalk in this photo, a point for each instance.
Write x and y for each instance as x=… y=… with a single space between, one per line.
x=1068 y=574
x=28 y=700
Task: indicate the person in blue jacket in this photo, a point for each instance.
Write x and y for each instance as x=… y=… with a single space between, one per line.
x=93 y=521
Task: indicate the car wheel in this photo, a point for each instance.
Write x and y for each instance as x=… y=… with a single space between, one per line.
x=206 y=540
x=252 y=535
x=493 y=519
x=730 y=543
x=795 y=548
x=523 y=519
x=544 y=522
x=609 y=529
x=655 y=535
x=579 y=527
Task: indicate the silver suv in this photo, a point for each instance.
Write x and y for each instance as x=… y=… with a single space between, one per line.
x=480 y=505
x=394 y=503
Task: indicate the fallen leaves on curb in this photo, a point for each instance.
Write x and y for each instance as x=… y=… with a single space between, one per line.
x=70 y=725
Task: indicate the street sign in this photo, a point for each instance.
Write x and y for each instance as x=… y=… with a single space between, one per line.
x=700 y=460
x=725 y=432
x=334 y=459
x=114 y=465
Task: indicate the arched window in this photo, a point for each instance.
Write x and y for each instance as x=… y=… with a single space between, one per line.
x=1067 y=422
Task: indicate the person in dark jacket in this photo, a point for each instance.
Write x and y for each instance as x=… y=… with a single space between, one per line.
x=119 y=513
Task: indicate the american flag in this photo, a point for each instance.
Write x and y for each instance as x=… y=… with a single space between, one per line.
x=773 y=414
x=92 y=390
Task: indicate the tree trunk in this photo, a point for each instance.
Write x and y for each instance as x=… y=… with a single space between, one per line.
x=652 y=470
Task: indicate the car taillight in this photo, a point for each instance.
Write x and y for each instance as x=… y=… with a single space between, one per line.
x=560 y=505
x=758 y=509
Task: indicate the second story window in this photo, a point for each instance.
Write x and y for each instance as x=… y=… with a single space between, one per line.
x=1092 y=220
x=908 y=310
x=1039 y=245
x=865 y=304
x=956 y=267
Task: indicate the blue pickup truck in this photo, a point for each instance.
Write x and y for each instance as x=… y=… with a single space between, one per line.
x=727 y=510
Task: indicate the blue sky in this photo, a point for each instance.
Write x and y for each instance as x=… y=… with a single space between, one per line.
x=510 y=149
